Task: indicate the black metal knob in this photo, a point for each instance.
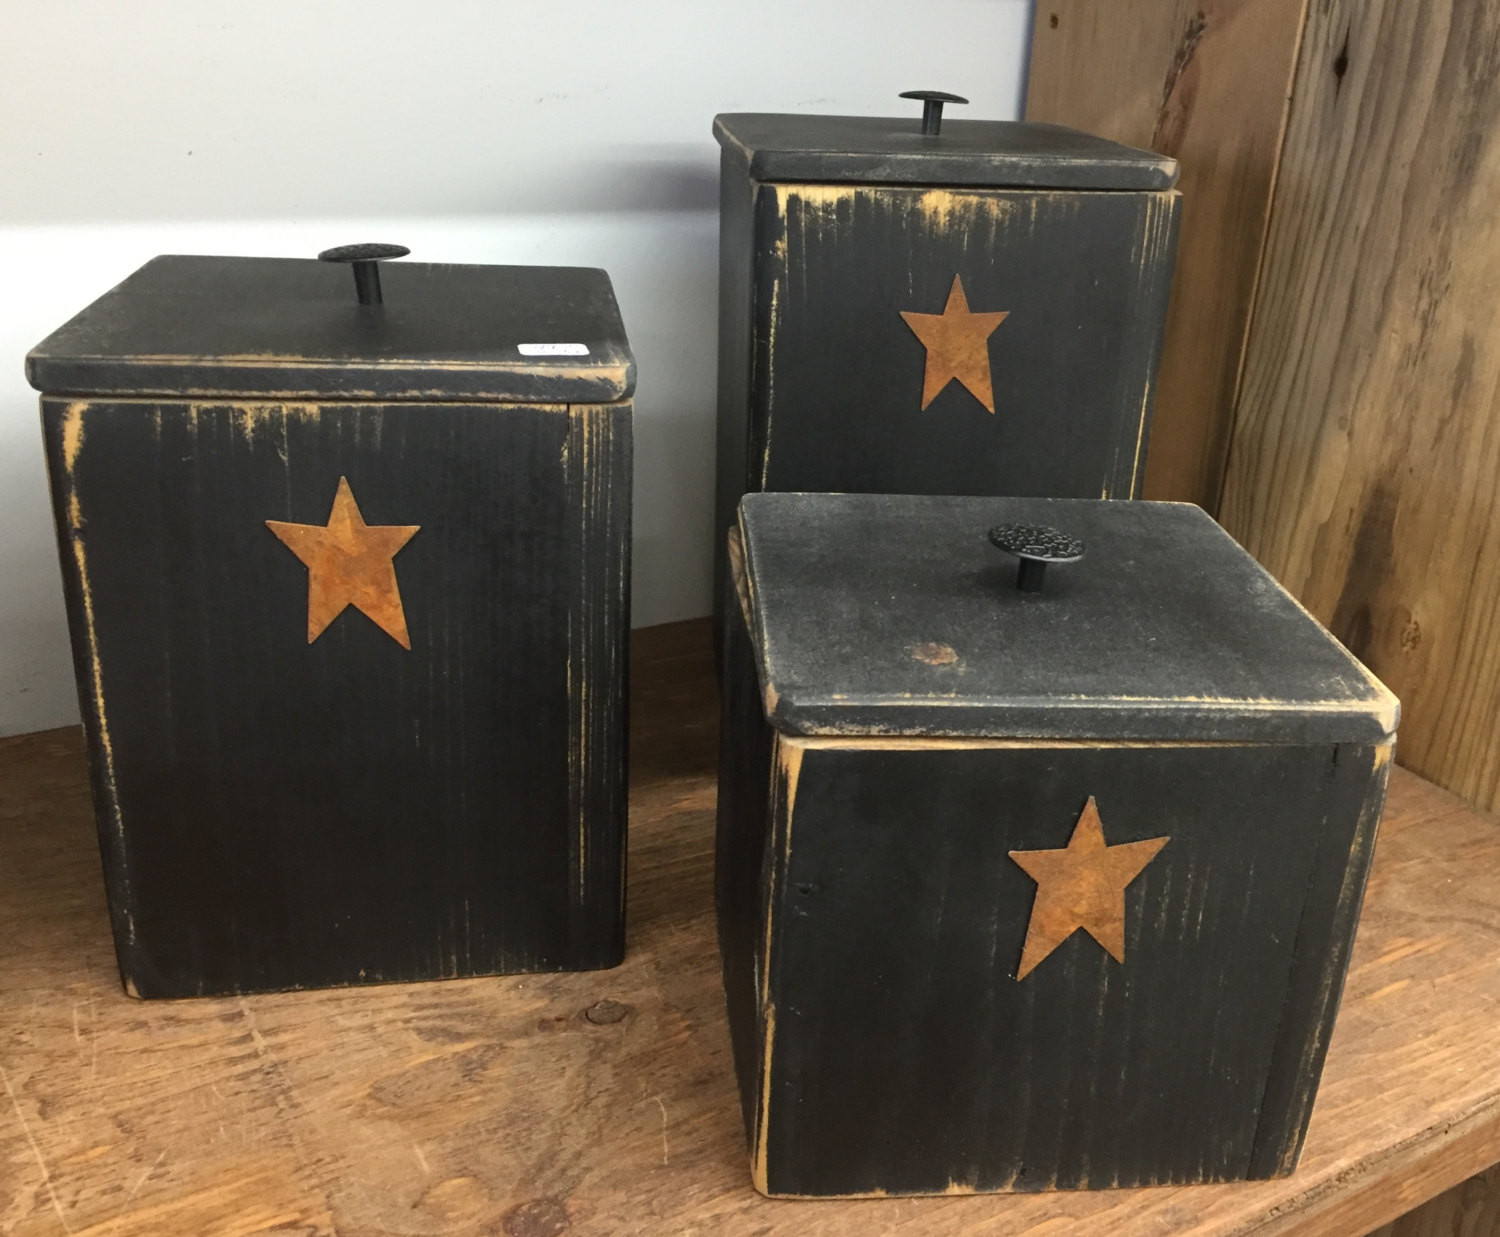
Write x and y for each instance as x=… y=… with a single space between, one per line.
x=932 y=107
x=1035 y=545
x=366 y=274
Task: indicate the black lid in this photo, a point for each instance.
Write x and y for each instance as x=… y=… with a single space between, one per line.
x=981 y=153
x=294 y=328
x=895 y=615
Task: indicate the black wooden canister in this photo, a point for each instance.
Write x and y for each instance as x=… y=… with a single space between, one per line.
x=949 y=306
x=347 y=578
x=1043 y=830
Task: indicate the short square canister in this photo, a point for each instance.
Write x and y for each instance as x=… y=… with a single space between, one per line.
x=347 y=580
x=1031 y=876
x=961 y=307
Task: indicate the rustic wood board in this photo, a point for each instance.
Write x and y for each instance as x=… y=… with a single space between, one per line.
x=1367 y=440
x=605 y=1102
x=1204 y=81
x=1468 y=1210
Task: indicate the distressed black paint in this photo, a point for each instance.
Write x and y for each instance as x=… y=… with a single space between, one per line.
x=1164 y=629
x=872 y=922
x=894 y=150
x=831 y=227
x=277 y=813
x=291 y=327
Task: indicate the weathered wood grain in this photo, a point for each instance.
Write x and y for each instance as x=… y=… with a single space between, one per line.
x=842 y=239
x=605 y=1102
x=1468 y=1210
x=1206 y=82
x=285 y=806
x=291 y=328
x=1365 y=468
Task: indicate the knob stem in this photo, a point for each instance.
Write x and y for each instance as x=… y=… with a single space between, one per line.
x=1035 y=545
x=1029 y=574
x=364 y=259
x=367 y=283
x=932 y=107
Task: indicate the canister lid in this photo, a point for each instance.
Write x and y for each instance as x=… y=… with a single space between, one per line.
x=976 y=153
x=898 y=615
x=294 y=328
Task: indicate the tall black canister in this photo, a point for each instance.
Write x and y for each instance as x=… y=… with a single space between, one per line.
x=347 y=577
x=933 y=305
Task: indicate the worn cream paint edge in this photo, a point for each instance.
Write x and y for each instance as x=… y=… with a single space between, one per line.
x=789 y=753
x=249 y=418
x=581 y=417
x=434 y=397
x=1351 y=890
x=72 y=442
x=773 y=320
x=576 y=677
x=737 y=574
x=1160 y=213
x=744 y=591
x=622 y=667
x=939 y=206
x=1080 y=700
x=615 y=370
x=742 y=594
x=874 y=729
x=584 y=422
x=1387 y=705
x=726 y=138
x=787 y=771
x=954 y=1189
x=903 y=743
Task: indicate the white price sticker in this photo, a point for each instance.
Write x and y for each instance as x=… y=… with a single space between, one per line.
x=553 y=349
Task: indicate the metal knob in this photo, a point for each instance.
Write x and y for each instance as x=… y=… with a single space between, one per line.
x=1036 y=545
x=932 y=107
x=366 y=274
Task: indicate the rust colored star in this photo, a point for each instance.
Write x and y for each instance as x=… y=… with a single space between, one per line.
x=958 y=346
x=1081 y=886
x=349 y=563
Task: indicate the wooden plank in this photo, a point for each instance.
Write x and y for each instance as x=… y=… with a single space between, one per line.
x=1468 y=1210
x=605 y=1102
x=1204 y=81
x=1367 y=445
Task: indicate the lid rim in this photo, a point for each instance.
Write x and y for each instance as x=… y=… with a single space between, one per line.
x=995 y=154
x=184 y=326
x=880 y=616
x=91 y=377
x=1273 y=724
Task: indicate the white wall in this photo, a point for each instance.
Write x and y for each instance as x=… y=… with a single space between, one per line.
x=571 y=132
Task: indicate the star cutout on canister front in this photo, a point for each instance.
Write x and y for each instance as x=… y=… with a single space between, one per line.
x=958 y=346
x=1081 y=886
x=349 y=563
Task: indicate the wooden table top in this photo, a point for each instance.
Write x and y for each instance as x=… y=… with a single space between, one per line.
x=604 y=1103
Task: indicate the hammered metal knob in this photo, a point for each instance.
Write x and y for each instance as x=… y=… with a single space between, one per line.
x=363 y=259
x=1036 y=545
